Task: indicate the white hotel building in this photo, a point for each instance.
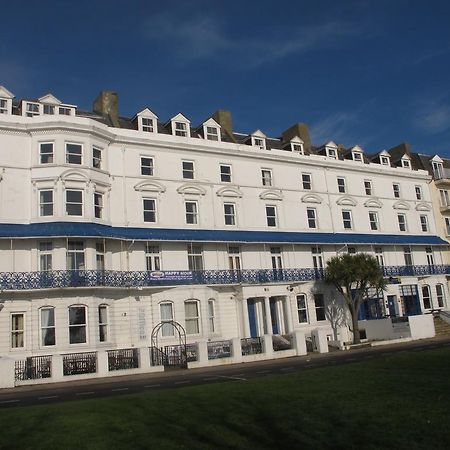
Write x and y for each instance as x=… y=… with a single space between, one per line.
x=112 y=229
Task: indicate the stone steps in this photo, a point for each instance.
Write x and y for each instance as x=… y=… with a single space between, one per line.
x=441 y=327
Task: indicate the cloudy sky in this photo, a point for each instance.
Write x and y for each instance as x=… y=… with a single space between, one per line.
x=373 y=73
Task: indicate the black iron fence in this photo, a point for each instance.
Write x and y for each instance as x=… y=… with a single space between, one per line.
x=219 y=349
x=33 y=368
x=251 y=346
x=79 y=363
x=192 y=352
x=122 y=359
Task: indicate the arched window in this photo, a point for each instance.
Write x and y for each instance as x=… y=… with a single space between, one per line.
x=426 y=297
x=440 y=295
x=302 y=309
x=103 y=330
x=47 y=316
x=166 y=313
x=191 y=316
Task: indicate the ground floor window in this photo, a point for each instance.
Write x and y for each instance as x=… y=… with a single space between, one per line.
x=17 y=330
x=103 y=323
x=166 y=311
x=301 y=309
x=48 y=326
x=191 y=317
x=426 y=297
x=320 y=306
x=211 y=316
x=77 y=324
x=440 y=295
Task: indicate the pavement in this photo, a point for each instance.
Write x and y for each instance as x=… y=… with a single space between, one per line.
x=172 y=379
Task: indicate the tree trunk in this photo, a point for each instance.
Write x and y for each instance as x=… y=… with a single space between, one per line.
x=355 y=325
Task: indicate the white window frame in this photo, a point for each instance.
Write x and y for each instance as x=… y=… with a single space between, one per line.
x=192 y=319
x=331 y=152
x=80 y=204
x=348 y=220
x=45 y=256
x=368 y=187
x=447 y=225
x=342 y=185
x=374 y=221
x=385 y=160
x=69 y=153
x=167 y=330
x=266 y=177
x=44 y=328
x=188 y=170
x=98 y=205
x=147 y=124
x=44 y=204
x=311 y=216
x=14 y=332
x=4 y=106
x=191 y=217
x=97 y=157
x=77 y=252
x=307 y=181
x=74 y=326
x=195 y=256
x=396 y=190
x=379 y=255
x=440 y=295
x=230 y=215
x=100 y=253
x=259 y=141
x=271 y=216
x=49 y=155
x=426 y=297
x=35 y=109
x=406 y=163
x=424 y=223
x=149 y=212
x=319 y=307
x=407 y=256
x=103 y=325
x=357 y=156
x=180 y=128
x=147 y=165
x=224 y=176
x=402 y=223
x=211 y=133
x=302 y=309
x=153 y=260
x=212 y=315
x=438 y=169
x=418 y=191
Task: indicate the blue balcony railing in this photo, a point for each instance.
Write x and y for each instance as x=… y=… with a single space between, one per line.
x=136 y=279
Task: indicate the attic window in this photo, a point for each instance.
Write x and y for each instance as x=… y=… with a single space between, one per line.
x=64 y=111
x=437 y=170
x=180 y=129
x=357 y=156
x=259 y=142
x=331 y=153
x=147 y=124
x=406 y=163
x=49 y=110
x=31 y=109
x=3 y=106
x=385 y=160
x=297 y=148
x=212 y=133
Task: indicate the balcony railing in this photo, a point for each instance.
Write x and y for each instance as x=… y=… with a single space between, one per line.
x=121 y=279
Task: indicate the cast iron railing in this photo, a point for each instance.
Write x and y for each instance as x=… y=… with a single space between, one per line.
x=251 y=346
x=33 y=368
x=219 y=349
x=136 y=279
x=124 y=358
x=79 y=363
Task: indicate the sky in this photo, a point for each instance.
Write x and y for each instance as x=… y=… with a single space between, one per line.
x=372 y=73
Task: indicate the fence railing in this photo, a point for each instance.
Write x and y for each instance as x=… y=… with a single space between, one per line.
x=79 y=363
x=122 y=359
x=219 y=349
x=33 y=368
x=113 y=278
x=251 y=346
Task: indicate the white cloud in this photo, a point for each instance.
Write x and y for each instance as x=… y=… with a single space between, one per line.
x=433 y=116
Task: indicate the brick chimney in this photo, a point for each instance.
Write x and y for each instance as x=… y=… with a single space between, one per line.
x=223 y=118
x=107 y=104
x=301 y=130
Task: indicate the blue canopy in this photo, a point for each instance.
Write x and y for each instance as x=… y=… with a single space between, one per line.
x=95 y=230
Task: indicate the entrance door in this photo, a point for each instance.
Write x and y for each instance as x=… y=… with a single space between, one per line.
x=392 y=305
x=252 y=317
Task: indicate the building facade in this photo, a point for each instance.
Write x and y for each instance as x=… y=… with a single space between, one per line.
x=113 y=228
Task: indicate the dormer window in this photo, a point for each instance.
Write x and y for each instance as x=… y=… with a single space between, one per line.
x=331 y=153
x=212 y=133
x=3 y=106
x=385 y=161
x=258 y=139
x=147 y=124
x=64 y=111
x=297 y=145
x=406 y=163
x=437 y=170
x=211 y=130
x=49 y=110
x=357 y=156
x=180 y=126
x=31 y=109
x=258 y=142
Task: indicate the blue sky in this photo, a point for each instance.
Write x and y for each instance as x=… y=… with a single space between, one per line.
x=373 y=73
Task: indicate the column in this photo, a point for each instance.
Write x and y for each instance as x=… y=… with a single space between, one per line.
x=288 y=310
x=268 y=316
x=245 y=319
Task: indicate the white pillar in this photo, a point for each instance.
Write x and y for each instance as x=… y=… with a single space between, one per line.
x=245 y=319
x=57 y=368
x=202 y=352
x=289 y=322
x=268 y=316
x=237 y=350
x=319 y=338
x=300 y=343
x=102 y=363
x=144 y=358
x=268 y=346
x=7 y=372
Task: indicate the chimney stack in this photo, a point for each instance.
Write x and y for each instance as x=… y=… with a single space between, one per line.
x=301 y=130
x=107 y=104
x=223 y=118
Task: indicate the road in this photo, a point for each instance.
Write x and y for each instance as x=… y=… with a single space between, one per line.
x=172 y=379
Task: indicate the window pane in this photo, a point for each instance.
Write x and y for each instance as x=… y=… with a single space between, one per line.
x=77 y=315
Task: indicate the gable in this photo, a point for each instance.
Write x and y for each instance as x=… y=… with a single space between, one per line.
x=4 y=93
x=49 y=99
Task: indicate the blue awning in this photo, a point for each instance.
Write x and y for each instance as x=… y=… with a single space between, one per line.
x=95 y=230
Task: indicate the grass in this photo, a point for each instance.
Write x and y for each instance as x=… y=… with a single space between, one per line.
x=399 y=402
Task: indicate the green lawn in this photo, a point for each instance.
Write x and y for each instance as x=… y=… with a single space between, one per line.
x=398 y=402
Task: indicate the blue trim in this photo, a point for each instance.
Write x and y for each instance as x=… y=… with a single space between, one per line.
x=95 y=230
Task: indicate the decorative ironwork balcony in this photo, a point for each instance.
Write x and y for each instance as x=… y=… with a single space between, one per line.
x=139 y=279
